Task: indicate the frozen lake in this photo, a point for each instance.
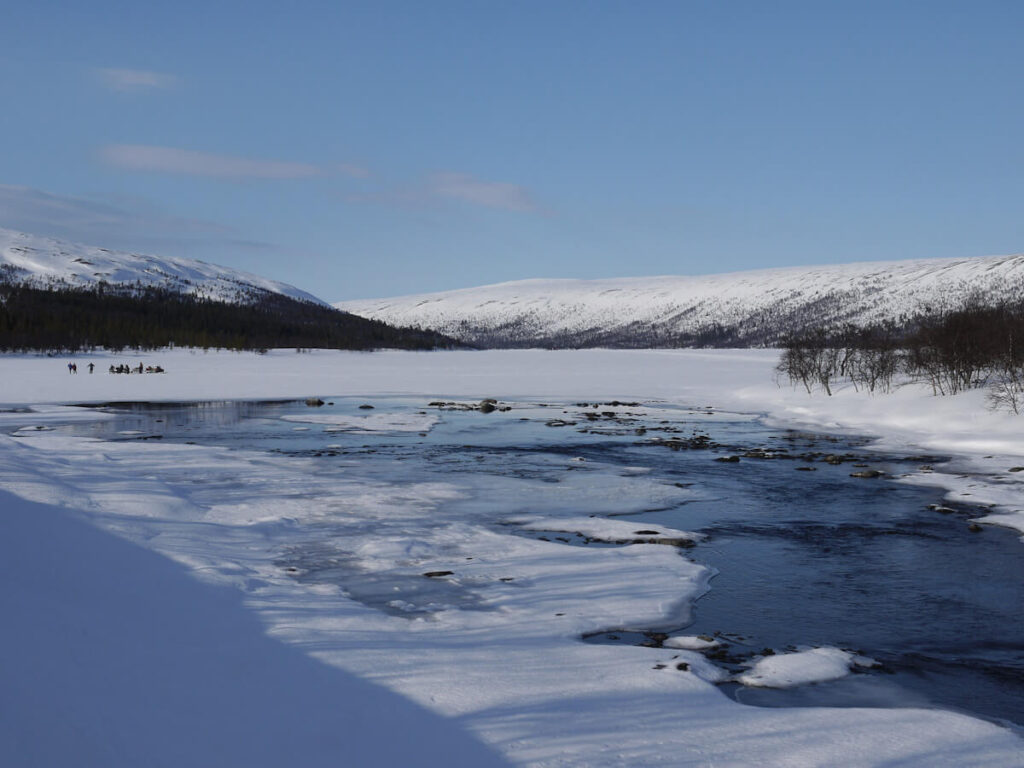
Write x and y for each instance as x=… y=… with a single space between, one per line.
x=805 y=554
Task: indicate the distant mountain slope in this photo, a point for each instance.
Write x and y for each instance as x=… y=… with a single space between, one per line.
x=45 y=262
x=741 y=308
x=56 y=295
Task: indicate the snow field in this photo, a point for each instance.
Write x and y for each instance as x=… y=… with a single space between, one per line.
x=986 y=444
x=494 y=646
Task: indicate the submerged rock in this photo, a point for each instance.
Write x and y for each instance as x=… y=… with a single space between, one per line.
x=868 y=473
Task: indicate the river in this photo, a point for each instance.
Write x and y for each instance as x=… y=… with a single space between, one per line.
x=804 y=553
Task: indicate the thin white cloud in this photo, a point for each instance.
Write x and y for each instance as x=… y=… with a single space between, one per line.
x=489 y=194
x=354 y=171
x=135 y=80
x=141 y=227
x=140 y=157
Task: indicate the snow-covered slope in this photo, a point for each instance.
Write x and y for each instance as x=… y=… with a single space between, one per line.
x=46 y=262
x=753 y=307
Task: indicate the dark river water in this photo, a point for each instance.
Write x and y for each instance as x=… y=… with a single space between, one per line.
x=804 y=558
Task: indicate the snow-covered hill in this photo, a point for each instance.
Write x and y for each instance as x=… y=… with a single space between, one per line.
x=741 y=308
x=48 y=263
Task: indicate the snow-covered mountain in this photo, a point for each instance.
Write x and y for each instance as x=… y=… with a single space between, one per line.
x=741 y=308
x=49 y=263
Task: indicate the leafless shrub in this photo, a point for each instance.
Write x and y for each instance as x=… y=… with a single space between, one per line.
x=1007 y=394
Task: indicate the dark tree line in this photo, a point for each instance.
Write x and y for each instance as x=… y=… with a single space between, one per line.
x=952 y=351
x=142 y=317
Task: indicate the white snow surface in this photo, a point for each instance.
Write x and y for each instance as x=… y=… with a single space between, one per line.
x=690 y=642
x=539 y=310
x=375 y=423
x=47 y=262
x=603 y=529
x=788 y=670
x=116 y=654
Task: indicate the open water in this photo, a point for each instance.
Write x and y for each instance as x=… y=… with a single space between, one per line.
x=804 y=557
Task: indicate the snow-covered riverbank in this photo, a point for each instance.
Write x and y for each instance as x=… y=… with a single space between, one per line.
x=514 y=675
x=988 y=444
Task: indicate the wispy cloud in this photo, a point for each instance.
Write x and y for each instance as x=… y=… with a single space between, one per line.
x=141 y=157
x=134 y=80
x=97 y=223
x=354 y=171
x=444 y=187
x=489 y=194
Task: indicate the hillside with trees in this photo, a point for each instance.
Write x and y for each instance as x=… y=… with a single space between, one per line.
x=148 y=317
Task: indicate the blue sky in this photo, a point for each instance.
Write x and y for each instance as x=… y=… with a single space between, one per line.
x=383 y=148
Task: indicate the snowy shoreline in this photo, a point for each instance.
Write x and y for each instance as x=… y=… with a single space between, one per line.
x=985 y=445
x=520 y=682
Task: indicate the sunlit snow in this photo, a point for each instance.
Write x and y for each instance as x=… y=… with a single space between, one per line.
x=436 y=588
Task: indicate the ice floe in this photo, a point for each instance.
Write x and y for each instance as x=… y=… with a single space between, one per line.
x=374 y=423
x=813 y=665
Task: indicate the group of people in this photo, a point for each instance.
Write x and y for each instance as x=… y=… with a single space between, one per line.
x=135 y=369
x=73 y=368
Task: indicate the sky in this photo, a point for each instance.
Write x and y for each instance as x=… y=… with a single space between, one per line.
x=371 y=149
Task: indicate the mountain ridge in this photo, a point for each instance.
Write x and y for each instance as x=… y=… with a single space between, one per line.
x=47 y=262
x=58 y=295
x=748 y=308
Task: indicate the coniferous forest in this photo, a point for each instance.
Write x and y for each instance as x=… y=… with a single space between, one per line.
x=71 y=319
